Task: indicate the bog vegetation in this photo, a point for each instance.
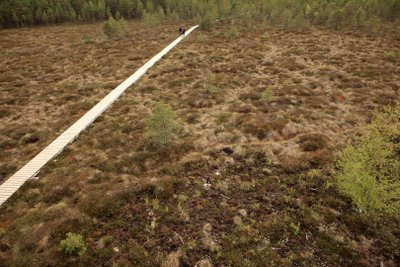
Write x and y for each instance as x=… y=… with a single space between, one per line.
x=291 y=13
x=237 y=162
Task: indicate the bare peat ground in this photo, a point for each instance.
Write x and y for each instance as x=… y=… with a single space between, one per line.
x=248 y=183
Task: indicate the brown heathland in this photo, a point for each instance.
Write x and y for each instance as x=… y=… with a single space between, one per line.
x=272 y=199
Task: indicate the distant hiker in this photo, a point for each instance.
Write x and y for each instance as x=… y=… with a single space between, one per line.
x=182 y=31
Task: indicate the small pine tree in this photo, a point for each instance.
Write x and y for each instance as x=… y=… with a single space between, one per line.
x=233 y=33
x=308 y=10
x=286 y=18
x=109 y=27
x=112 y=27
x=150 y=7
x=101 y=9
x=160 y=13
x=122 y=27
x=139 y=8
x=117 y=15
x=336 y=19
x=73 y=245
x=359 y=18
x=150 y=20
x=45 y=18
x=369 y=171
x=298 y=23
x=372 y=25
x=161 y=127
x=208 y=20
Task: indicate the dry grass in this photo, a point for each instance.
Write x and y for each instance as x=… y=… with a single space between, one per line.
x=236 y=152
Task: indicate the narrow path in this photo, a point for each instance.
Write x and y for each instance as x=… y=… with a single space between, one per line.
x=12 y=184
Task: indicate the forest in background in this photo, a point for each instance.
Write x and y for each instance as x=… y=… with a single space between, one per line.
x=333 y=13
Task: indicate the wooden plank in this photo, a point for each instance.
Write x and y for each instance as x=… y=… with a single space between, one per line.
x=13 y=183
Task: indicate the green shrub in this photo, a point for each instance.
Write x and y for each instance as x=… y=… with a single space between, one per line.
x=372 y=25
x=161 y=127
x=209 y=85
x=208 y=20
x=73 y=245
x=298 y=23
x=359 y=18
x=308 y=10
x=294 y=228
x=286 y=18
x=151 y=20
x=369 y=171
x=336 y=19
x=246 y=12
x=233 y=33
x=267 y=96
x=112 y=27
x=88 y=39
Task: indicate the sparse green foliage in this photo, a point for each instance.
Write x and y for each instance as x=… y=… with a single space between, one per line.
x=183 y=212
x=246 y=12
x=286 y=18
x=161 y=127
x=88 y=39
x=294 y=228
x=372 y=24
x=359 y=18
x=314 y=173
x=336 y=19
x=392 y=56
x=209 y=85
x=308 y=10
x=208 y=20
x=298 y=23
x=233 y=33
x=267 y=96
x=151 y=20
x=73 y=245
x=370 y=170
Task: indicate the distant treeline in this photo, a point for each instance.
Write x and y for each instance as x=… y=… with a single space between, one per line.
x=14 y=13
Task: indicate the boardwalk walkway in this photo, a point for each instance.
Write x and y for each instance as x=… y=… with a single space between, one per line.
x=12 y=184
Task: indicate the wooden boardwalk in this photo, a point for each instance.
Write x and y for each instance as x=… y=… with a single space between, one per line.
x=13 y=183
